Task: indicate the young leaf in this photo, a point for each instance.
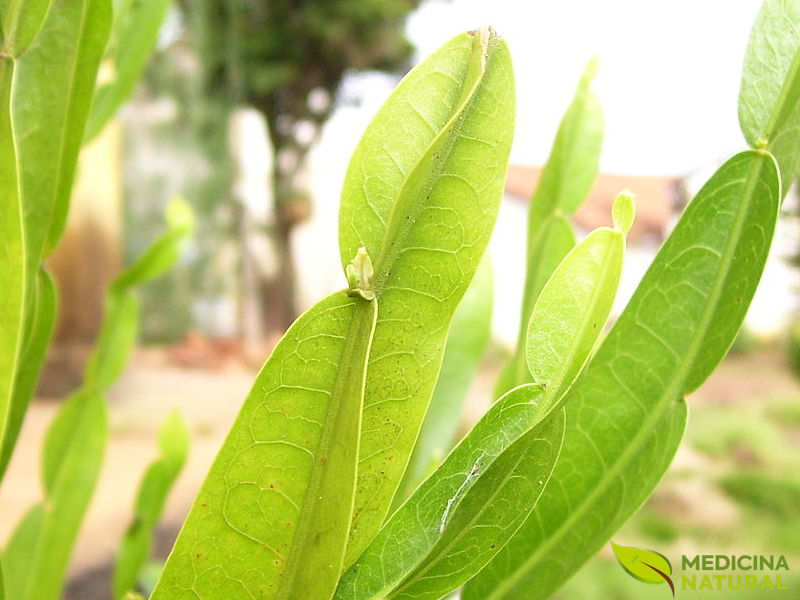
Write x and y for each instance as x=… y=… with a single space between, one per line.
x=626 y=412
x=133 y=37
x=40 y=548
x=173 y=441
x=566 y=180
x=769 y=98
x=272 y=517
x=453 y=510
x=21 y=22
x=53 y=87
x=38 y=330
x=416 y=201
x=574 y=305
x=466 y=345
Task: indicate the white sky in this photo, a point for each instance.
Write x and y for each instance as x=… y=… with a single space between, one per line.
x=668 y=79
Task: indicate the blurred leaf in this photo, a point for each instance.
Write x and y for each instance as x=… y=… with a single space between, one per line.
x=779 y=497
x=639 y=563
x=626 y=413
x=424 y=213
x=74 y=445
x=566 y=180
x=173 y=441
x=769 y=98
x=463 y=513
x=273 y=514
x=38 y=331
x=69 y=484
x=21 y=22
x=134 y=36
x=466 y=345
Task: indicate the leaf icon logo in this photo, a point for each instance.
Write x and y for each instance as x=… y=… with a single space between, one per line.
x=647 y=566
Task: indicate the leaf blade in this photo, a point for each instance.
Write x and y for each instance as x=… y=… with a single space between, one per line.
x=438 y=230
x=715 y=255
x=466 y=345
x=280 y=463
x=769 y=95
x=422 y=520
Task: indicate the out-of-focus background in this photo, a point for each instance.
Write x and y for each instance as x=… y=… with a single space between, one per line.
x=250 y=110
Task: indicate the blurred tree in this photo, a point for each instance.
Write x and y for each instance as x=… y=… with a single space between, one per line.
x=286 y=58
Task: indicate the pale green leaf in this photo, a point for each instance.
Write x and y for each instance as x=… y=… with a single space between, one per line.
x=39 y=328
x=2 y=583
x=644 y=565
x=133 y=38
x=272 y=517
x=466 y=345
x=573 y=308
x=769 y=97
x=173 y=441
x=626 y=413
x=69 y=486
x=53 y=88
x=450 y=510
x=12 y=261
x=424 y=213
x=21 y=22
x=565 y=182
x=20 y=551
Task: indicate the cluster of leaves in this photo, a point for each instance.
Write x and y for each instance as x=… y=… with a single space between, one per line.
x=296 y=503
x=52 y=101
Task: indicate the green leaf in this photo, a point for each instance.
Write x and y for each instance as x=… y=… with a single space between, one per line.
x=38 y=331
x=20 y=551
x=566 y=180
x=12 y=267
x=79 y=432
x=414 y=199
x=769 y=97
x=626 y=413
x=173 y=441
x=53 y=87
x=574 y=306
x=464 y=505
x=21 y=22
x=134 y=36
x=272 y=517
x=642 y=564
x=2 y=583
x=466 y=345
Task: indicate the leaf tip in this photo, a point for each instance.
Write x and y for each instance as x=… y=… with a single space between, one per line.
x=623 y=212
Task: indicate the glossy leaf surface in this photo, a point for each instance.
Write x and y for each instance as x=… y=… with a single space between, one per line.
x=173 y=442
x=416 y=201
x=466 y=345
x=272 y=517
x=454 y=508
x=626 y=413
x=769 y=98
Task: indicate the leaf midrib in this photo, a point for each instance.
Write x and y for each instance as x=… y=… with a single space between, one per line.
x=661 y=406
x=779 y=116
